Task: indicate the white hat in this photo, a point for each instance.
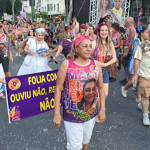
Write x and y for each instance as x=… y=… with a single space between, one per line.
x=41 y=30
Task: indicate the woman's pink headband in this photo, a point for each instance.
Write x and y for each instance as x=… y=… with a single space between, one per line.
x=79 y=39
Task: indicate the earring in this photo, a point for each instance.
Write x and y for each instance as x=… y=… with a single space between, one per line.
x=76 y=53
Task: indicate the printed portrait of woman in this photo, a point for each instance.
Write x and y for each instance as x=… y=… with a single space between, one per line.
x=105 y=5
x=89 y=94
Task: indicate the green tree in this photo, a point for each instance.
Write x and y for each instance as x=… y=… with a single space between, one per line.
x=17 y=7
x=3 y=6
x=36 y=15
x=28 y=14
x=44 y=15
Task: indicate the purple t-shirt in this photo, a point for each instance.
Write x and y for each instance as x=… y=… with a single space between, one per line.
x=66 y=44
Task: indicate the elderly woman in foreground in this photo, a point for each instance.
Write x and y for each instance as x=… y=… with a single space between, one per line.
x=82 y=80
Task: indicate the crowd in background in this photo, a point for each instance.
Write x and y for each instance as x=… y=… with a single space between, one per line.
x=111 y=45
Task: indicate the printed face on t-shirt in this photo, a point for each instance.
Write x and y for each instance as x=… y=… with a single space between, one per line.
x=89 y=92
x=117 y=4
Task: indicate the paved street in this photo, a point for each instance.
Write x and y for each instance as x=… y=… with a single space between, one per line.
x=122 y=130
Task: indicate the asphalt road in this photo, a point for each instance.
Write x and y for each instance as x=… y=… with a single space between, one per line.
x=122 y=130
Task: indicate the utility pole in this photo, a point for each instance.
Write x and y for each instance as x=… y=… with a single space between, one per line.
x=33 y=13
x=66 y=8
x=32 y=4
x=70 y=11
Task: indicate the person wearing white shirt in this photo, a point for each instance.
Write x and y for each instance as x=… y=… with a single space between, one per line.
x=77 y=23
x=34 y=62
x=87 y=27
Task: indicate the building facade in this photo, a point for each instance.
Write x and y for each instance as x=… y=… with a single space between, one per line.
x=28 y=7
x=53 y=7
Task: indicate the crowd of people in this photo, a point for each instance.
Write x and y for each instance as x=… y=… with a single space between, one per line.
x=92 y=55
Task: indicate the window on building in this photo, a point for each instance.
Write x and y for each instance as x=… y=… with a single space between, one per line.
x=57 y=7
x=51 y=7
x=47 y=7
x=42 y=9
x=54 y=7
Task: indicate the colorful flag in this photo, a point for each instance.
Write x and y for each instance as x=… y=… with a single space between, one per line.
x=23 y=12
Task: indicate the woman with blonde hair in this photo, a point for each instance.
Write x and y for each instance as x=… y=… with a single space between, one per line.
x=82 y=80
x=64 y=45
x=105 y=53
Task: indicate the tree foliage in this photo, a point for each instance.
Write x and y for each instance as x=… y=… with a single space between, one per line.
x=44 y=15
x=28 y=14
x=6 y=7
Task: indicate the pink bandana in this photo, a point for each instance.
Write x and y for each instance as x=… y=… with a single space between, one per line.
x=79 y=39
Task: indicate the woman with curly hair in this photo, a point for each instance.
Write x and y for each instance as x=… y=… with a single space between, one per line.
x=64 y=45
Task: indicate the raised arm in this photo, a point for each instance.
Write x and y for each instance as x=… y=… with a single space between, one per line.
x=6 y=32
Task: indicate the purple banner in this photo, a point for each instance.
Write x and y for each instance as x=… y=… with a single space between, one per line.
x=30 y=95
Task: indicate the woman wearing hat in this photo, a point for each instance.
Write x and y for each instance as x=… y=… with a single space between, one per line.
x=36 y=62
x=81 y=77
